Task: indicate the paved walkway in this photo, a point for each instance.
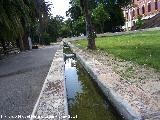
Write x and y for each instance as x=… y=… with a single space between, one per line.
x=21 y=80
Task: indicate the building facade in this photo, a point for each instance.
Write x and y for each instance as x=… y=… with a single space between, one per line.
x=144 y=8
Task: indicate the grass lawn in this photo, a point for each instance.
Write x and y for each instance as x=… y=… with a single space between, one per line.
x=143 y=48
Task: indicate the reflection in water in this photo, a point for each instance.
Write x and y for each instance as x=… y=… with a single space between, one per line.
x=73 y=84
x=84 y=98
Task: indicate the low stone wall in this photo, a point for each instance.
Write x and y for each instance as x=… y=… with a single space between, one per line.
x=52 y=102
x=128 y=32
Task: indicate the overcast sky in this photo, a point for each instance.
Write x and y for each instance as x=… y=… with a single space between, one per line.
x=60 y=7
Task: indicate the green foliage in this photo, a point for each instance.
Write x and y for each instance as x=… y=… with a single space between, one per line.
x=54 y=27
x=11 y=17
x=65 y=31
x=19 y=18
x=143 y=48
x=100 y=14
x=74 y=12
x=46 y=38
x=139 y=22
x=116 y=16
x=57 y=27
x=123 y=3
x=79 y=26
x=105 y=14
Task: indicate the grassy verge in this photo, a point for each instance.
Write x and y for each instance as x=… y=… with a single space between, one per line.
x=143 y=48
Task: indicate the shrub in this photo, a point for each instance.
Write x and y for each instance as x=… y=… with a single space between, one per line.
x=45 y=38
x=139 y=23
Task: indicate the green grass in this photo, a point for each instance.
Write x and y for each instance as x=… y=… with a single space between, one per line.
x=143 y=48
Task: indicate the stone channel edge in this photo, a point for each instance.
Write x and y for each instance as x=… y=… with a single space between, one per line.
x=52 y=101
x=117 y=101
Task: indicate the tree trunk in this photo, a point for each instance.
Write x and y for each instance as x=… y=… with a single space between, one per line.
x=25 y=41
x=4 y=46
x=17 y=43
x=21 y=44
x=101 y=26
x=89 y=29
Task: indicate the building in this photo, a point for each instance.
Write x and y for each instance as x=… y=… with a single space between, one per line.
x=144 y=8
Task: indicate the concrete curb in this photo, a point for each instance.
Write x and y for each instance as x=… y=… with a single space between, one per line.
x=120 y=104
x=52 y=101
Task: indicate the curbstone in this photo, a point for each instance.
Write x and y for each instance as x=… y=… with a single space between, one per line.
x=52 y=102
x=122 y=106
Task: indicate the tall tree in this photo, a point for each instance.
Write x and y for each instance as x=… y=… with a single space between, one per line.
x=89 y=28
x=17 y=18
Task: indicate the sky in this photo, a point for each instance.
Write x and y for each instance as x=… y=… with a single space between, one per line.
x=60 y=7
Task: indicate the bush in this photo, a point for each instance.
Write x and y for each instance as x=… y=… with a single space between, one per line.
x=139 y=23
x=45 y=38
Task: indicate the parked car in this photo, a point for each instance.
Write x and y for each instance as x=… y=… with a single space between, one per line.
x=117 y=29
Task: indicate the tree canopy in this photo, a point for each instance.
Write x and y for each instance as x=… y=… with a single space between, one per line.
x=20 y=19
x=105 y=14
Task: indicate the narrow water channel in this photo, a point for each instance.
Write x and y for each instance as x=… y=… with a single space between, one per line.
x=85 y=99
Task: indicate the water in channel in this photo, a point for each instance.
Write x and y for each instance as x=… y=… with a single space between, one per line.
x=85 y=99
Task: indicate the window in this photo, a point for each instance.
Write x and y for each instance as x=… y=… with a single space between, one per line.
x=134 y=23
x=143 y=9
x=149 y=7
x=127 y=16
x=133 y=13
x=137 y=11
x=156 y=4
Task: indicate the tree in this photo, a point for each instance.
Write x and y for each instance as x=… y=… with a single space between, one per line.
x=57 y=27
x=53 y=29
x=79 y=26
x=10 y=21
x=18 y=19
x=139 y=22
x=77 y=22
x=74 y=12
x=100 y=15
x=105 y=15
x=89 y=28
